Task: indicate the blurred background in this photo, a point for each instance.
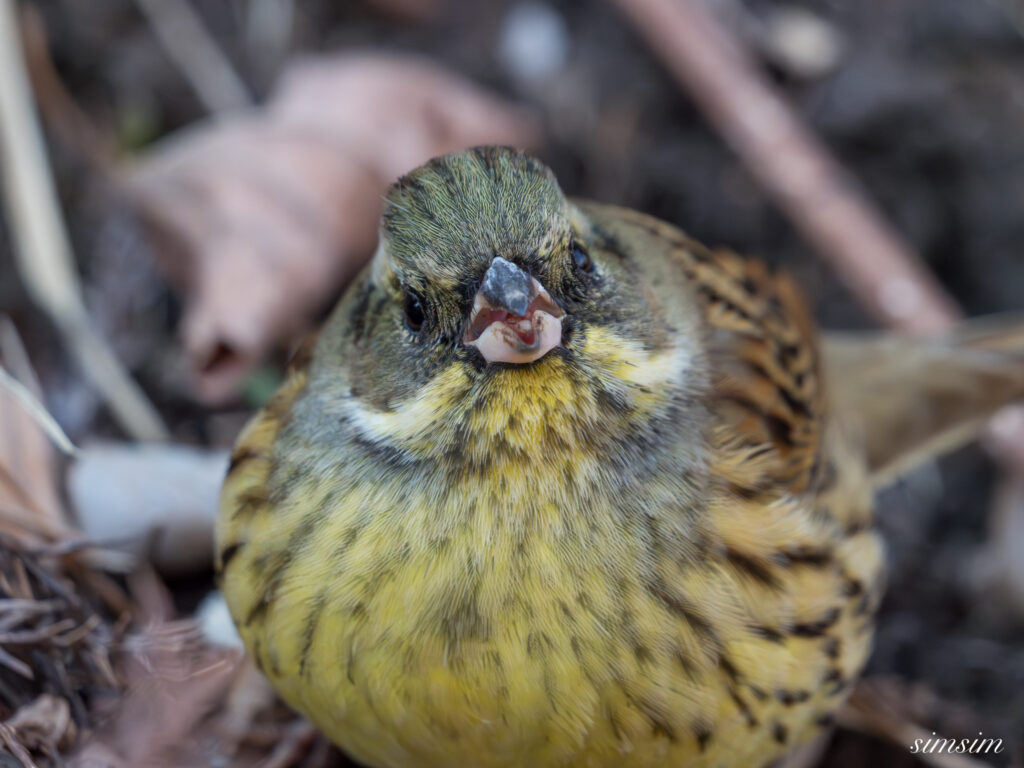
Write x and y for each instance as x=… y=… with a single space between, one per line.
x=219 y=166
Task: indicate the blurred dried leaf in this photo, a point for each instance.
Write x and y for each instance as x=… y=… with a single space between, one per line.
x=174 y=682
x=29 y=503
x=45 y=724
x=262 y=218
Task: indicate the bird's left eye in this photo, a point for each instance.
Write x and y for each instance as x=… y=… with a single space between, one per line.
x=412 y=306
x=581 y=258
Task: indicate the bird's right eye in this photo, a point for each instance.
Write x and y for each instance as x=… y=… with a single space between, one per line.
x=581 y=258
x=412 y=306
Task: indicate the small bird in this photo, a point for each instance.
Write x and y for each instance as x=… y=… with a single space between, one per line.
x=559 y=486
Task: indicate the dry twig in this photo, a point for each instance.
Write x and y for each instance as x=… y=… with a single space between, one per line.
x=820 y=197
x=43 y=252
x=37 y=411
x=29 y=497
x=877 y=709
x=182 y=34
x=10 y=741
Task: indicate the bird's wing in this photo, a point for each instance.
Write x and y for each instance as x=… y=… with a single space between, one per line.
x=766 y=394
x=766 y=391
x=911 y=397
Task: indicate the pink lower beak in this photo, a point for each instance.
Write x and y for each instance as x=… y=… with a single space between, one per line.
x=514 y=319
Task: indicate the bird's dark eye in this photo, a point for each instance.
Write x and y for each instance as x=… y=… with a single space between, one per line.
x=581 y=258
x=413 y=308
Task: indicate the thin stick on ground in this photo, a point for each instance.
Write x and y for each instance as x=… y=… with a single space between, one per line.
x=819 y=196
x=185 y=39
x=38 y=412
x=873 y=710
x=9 y=739
x=42 y=250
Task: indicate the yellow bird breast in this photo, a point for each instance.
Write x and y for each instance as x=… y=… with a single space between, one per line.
x=550 y=565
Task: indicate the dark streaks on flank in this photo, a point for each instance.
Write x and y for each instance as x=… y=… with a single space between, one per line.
x=350 y=665
x=653 y=712
x=688 y=665
x=726 y=665
x=259 y=609
x=819 y=627
x=538 y=644
x=274 y=566
x=461 y=620
x=309 y=626
x=660 y=724
x=228 y=553
x=347 y=540
x=758 y=571
x=712 y=296
x=249 y=502
x=809 y=556
x=790 y=697
x=616 y=727
x=257 y=655
x=780 y=430
x=831 y=647
x=574 y=643
x=643 y=655
x=853 y=588
x=835 y=680
x=780 y=733
x=683 y=609
x=240 y=456
x=768 y=633
x=743 y=707
x=703 y=735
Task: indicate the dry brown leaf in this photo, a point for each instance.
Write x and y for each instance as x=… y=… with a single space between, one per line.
x=174 y=682
x=29 y=501
x=262 y=218
x=45 y=724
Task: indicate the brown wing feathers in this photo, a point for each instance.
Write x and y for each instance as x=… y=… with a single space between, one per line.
x=766 y=391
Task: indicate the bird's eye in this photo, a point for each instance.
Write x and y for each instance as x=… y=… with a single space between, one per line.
x=581 y=258
x=413 y=309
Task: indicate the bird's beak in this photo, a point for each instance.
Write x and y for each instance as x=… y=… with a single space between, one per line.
x=514 y=320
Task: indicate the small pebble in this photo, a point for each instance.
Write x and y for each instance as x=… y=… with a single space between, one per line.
x=534 y=41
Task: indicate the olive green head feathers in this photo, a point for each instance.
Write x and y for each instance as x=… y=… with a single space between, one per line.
x=487 y=277
x=445 y=221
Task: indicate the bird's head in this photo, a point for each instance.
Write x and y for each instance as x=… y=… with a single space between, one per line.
x=480 y=248
x=486 y=278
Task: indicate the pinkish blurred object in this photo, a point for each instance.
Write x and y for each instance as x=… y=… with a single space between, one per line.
x=261 y=218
